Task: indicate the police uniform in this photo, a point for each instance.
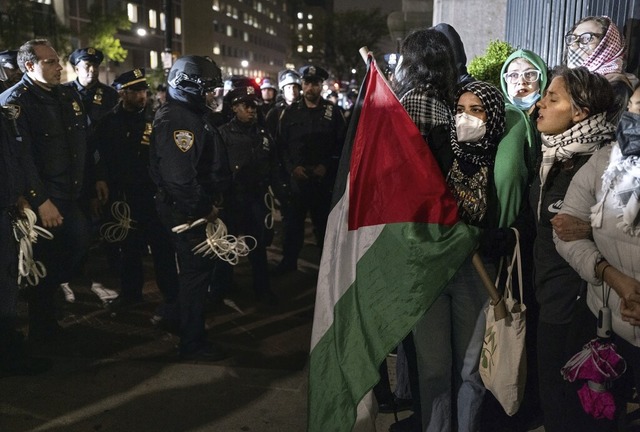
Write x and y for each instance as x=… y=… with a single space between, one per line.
x=249 y=149
x=122 y=138
x=98 y=99
x=308 y=137
x=52 y=128
x=189 y=167
x=267 y=105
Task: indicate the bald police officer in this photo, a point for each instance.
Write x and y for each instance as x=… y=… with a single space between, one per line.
x=310 y=136
x=189 y=167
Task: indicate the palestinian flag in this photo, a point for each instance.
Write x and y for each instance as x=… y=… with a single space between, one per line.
x=393 y=242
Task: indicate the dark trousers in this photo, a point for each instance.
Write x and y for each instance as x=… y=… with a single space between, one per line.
x=311 y=196
x=559 y=401
x=58 y=255
x=195 y=273
x=147 y=230
x=8 y=268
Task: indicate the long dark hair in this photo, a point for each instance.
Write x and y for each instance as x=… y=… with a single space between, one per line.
x=427 y=61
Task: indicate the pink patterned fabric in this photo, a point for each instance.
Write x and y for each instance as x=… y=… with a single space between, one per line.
x=608 y=56
x=599 y=364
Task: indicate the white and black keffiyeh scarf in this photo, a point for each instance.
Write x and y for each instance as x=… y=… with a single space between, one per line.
x=426 y=109
x=583 y=138
x=622 y=177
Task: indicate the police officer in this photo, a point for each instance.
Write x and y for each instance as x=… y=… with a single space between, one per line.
x=189 y=167
x=14 y=358
x=268 y=91
x=252 y=161
x=11 y=71
x=98 y=98
x=52 y=127
x=310 y=136
x=290 y=87
x=122 y=138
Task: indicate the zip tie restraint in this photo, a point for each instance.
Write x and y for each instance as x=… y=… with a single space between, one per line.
x=269 y=200
x=117 y=231
x=218 y=243
x=26 y=233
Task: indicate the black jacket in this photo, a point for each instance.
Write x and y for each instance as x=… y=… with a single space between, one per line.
x=98 y=100
x=122 y=139
x=187 y=159
x=52 y=127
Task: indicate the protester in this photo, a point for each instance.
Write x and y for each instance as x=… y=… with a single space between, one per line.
x=596 y=43
x=459 y=55
x=424 y=80
x=607 y=259
x=572 y=120
x=189 y=166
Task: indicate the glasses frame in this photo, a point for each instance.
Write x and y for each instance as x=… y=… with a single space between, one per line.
x=521 y=75
x=571 y=39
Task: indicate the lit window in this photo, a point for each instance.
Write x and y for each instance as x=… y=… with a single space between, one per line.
x=259 y=7
x=310 y=17
x=153 y=59
x=300 y=15
x=229 y=31
x=300 y=48
x=177 y=26
x=153 y=18
x=216 y=5
x=309 y=26
x=132 y=12
x=246 y=37
x=309 y=48
x=163 y=24
x=300 y=26
x=216 y=48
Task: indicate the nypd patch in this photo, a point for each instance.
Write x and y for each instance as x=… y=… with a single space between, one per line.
x=184 y=139
x=11 y=112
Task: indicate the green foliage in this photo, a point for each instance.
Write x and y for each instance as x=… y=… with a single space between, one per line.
x=103 y=25
x=351 y=30
x=487 y=67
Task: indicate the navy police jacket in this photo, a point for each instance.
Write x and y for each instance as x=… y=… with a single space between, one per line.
x=311 y=136
x=122 y=139
x=98 y=100
x=187 y=159
x=250 y=153
x=52 y=128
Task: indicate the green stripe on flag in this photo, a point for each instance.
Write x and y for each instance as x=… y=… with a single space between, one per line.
x=398 y=279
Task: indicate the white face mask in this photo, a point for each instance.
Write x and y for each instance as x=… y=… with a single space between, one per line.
x=469 y=128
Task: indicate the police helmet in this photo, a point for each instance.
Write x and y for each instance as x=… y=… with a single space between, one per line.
x=287 y=77
x=195 y=74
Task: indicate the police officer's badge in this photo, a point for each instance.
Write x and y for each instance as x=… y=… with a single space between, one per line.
x=11 y=112
x=184 y=139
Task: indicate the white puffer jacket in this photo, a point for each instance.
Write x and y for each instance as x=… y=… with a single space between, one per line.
x=619 y=248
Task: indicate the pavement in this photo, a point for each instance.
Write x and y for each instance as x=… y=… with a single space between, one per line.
x=121 y=373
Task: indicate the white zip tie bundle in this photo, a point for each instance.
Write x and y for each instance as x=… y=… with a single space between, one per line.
x=117 y=231
x=269 y=200
x=26 y=233
x=218 y=243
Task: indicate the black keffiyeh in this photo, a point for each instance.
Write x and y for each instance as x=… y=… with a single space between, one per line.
x=469 y=176
x=426 y=109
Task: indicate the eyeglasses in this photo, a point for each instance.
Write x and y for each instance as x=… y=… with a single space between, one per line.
x=530 y=76
x=582 y=39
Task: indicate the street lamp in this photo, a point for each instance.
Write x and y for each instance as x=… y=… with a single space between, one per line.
x=141 y=32
x=244 y=63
